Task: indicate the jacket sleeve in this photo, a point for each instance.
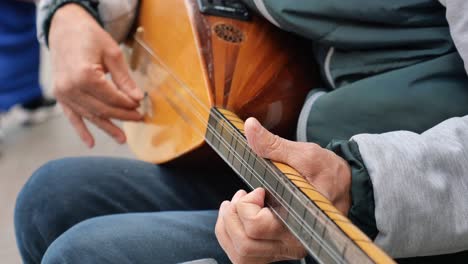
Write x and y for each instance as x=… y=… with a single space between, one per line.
x=458 y=22
x=362 y=208
x=116 y=16
x=420 y=188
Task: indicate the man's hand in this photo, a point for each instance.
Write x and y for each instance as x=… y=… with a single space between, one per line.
x=249 y=232
x=325 y=170
x=82 y=53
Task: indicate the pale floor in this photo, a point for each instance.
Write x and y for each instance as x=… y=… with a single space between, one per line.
x=24 y=150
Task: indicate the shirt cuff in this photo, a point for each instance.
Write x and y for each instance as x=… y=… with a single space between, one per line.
x=362 y=211
x=50 y=7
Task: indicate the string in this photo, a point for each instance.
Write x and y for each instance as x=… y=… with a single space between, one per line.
x=222 y=140
x=240 y=139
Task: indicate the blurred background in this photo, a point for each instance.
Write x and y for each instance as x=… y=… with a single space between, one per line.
x=24 y=145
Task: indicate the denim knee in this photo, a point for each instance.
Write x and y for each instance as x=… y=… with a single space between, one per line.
x=82 y=243
x=39 y=210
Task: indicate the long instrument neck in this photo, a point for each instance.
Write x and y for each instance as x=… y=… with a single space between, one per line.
x=326 y=233
x=320 y=235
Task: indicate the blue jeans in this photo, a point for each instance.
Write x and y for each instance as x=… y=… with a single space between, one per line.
x=108 y=210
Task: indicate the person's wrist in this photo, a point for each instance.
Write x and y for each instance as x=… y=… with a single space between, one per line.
x=90 y=7
x=69 y=13
x=345 y=174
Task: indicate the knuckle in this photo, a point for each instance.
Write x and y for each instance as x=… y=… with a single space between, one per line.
x=115 y=53
x=251 y=230
x=218 y=230
x=272 y=145
x=275 y=142
x=88 y=74
x=93 y=118
x=97 y=80
x=124 y=80
x=312 y=149
x=85 y=71
x=62 y=87
x=97 y=115
x=104 y=113
x=244 y=249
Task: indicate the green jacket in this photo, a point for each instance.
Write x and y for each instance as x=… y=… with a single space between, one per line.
x=387 y=65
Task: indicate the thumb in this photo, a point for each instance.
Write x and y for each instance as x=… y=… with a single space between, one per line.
x=265 y=144
x=115 y=63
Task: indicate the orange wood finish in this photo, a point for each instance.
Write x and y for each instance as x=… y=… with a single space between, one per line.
x=250 y=68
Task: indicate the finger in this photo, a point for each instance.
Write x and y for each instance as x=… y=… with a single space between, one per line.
x=256 y=197
x=239 y=194
x=226 y=242
x=220 y=231
x=273 y=147
x=265 y=144
x=110 y=128
x=261 y=223
x=115 y=63
x=104 y=124
x=105 y=90
x=79 y=125
x=245 y=246
x=102 y=110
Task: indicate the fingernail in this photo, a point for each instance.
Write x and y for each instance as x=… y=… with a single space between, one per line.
x=256 y=126
x=138 y=94
x=88 y=142
x=120 y=139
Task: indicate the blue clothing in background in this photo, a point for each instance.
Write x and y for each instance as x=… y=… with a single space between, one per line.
x=19 y=54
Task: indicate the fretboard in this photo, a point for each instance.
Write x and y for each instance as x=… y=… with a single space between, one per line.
x=311 y=218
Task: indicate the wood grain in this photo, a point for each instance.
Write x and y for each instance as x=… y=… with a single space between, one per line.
x=266 y=75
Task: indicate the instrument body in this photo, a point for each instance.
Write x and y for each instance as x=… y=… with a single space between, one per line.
x=203 y=75
x=248 y=67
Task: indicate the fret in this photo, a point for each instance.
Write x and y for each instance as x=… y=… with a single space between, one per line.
x=270 y=180
x=255 y=181
x=319 y=253
x=259 y=168
x=296 y=205
x=343 y=251
x=240 y=148
x=237 y=161
x=287 y=196
x=222 y=147
x=210 y=137
x=292 y=222
x=244 y=166
x=280 y=190
x=251 y=161
x=229 y=138
x=248 y=174
x=219 y=140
